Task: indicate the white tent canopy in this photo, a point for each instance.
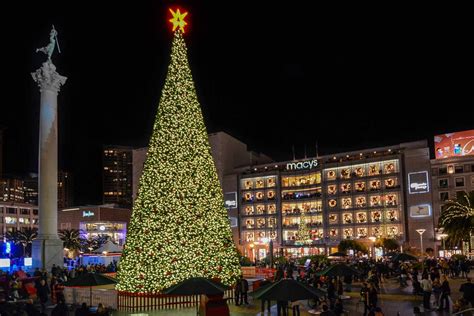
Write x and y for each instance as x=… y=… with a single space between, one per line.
x=109 y=246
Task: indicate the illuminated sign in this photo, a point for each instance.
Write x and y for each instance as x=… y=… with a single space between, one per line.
x=454 y=144
x=87 y=213
x=8 y=247
x=418 y=182
x=230 y=200
x=422 y=210
x=301 y=165
x=28 y=262
x=4 y=263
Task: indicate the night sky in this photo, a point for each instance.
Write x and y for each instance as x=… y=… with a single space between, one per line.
x=273 y=75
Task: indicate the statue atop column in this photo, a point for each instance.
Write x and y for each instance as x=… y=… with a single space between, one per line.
x=53 y=42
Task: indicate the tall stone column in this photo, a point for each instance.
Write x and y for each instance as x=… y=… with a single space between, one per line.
x=48 y=248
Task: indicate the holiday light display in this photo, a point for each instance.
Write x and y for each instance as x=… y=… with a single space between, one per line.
x=179 y=227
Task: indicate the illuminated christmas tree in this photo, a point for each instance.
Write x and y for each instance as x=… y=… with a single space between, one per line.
x=303 y=235
x=179 y=227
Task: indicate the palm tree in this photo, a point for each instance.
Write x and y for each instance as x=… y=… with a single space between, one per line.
x=26 y=237
x=72 y=239
x=457 y=217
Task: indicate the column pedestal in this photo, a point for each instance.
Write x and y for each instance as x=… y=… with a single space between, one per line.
x=47 y=252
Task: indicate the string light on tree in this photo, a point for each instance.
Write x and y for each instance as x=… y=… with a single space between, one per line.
x=179 y=226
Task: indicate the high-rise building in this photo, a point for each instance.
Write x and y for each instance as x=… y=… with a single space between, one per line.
x=1 y=150
x=17 y=216
x=117 y=175
x=11 y=190
x=65 y=189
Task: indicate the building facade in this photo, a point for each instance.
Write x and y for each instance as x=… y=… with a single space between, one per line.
x=17 y=216
x=117 y=175
x=12 y=190
x=65 y=189
x=94 y=220
x=359 y=195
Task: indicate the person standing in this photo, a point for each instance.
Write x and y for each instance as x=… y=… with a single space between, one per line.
x=244 y=288
x=42 y=292
x=237 y=290
x=364 y=297
x=445 y=293
x=468 y=291
x=427 y=287
x=372 y=296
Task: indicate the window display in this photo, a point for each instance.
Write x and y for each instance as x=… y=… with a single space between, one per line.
x=359 y=171
x=361 y=232
x=347 y=218
x=260 y=209
x=259 y=195
x=359 y=186
x=289 y=234
x=248 y=184
x=315 y=220
x=260 y=236
x=332 y=189
x=332 y=203
x=249 y=223
x=346 y=188
x=271 y=195
x=260 y=222
x=302 y=180
x=389 y=167
x=374 y=169
x=377 y=231
x=271 y=182
x=345 y=173
x=301 y=194
x=391 y=200
x=392 y=231
x=259 y=183
x=271 y=209
x=333 y=219
x=390 y=183
x=348 y=232
x=331 y=174
x=248 y=197
x=249 y=210
x=361 y=201
x=346 y=203
x=271 y=222
x=316 y=233
x=249 y=237
x=361 y=217
x=375 y=200
x=273 y=235
x=375 y=185
x=392 y=215
x=376 y=216
x=333 y=232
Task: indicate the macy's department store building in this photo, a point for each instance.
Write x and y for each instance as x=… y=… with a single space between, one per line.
x=363 y=195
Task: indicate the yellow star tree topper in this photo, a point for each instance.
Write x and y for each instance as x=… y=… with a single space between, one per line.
x=178 y=19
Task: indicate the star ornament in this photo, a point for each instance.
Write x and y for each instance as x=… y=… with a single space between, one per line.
x=178 y=19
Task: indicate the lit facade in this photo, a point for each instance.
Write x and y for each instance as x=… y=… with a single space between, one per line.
x=94 y=220
x=17 y=217
x=11 y=190
x=117 y=175
x=356 y=195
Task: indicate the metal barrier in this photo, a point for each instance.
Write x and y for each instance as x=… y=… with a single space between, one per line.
x=79 y=295
x=134 y=302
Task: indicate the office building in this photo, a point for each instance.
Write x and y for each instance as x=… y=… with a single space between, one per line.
x=117 y=175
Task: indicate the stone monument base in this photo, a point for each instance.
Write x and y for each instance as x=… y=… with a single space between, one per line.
x=46 y=252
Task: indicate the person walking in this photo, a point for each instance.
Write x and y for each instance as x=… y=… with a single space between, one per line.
x=427 y=287
x=364 y=297
x=445 y=293
x=42 y=291
x=244 y=288
x=468 y=291
x=237 y=291
x=372 y=296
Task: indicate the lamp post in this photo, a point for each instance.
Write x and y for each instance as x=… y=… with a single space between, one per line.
x=372 y=238
x=421 y=231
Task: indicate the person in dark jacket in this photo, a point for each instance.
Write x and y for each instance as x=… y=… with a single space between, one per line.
x=82 y=311
x=445 y=293
x=279 y=274
x=42 y=291
x=468 y=291
x=264 y=283
x=60 y=309
x=237 y=290
x=244 y=288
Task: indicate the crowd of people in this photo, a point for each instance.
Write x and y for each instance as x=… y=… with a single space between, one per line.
x=28 y=294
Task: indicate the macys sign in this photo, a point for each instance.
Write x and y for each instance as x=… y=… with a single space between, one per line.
x=300 y=165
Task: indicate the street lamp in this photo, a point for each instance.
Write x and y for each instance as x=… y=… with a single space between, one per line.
x=421 y=231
